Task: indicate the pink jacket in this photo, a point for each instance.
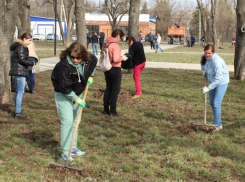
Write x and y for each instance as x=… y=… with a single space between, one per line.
x=114 y=52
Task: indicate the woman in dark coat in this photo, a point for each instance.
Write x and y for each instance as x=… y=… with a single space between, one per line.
x=19 y=69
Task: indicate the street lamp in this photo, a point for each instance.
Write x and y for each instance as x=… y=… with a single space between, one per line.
x=113 y=15
x=156 y=24
x=208 y=30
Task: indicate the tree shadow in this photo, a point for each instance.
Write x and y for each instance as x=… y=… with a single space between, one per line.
x=43 y=139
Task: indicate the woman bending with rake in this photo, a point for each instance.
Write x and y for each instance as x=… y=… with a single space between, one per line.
x=70 y=77
x=217 y=73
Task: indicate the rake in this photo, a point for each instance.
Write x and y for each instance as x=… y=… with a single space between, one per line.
x=66 y=165
x=204 y=126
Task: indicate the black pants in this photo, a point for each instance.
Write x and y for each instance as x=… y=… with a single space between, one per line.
x=113 y=79
x=87 y=43
x=101 y=43
x=152 y=44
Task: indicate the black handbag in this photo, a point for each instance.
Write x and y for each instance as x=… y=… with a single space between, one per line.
x=127 y=64
x=27 y=85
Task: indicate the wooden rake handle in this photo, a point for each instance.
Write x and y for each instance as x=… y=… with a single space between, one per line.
x=77 y=123
x=205 y=104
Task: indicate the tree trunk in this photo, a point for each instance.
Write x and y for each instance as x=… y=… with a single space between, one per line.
x=7 y=21
x=202 y=19
x=213 y=10
x=240 y=39
x=80 y=22
x=133 y=24
x=23 y=20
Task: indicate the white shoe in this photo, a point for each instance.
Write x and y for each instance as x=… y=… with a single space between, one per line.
x=219 y=127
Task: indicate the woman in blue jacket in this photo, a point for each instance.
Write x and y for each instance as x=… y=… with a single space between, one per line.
x=217 y=73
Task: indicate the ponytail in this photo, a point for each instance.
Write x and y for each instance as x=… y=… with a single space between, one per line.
x=203 y=61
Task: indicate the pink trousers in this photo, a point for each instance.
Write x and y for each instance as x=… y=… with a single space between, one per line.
x=137 y=71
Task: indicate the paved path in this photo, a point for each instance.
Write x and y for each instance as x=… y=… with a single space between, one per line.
x=49 y=63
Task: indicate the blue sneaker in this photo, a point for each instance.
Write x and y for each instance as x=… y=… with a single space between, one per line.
x=77 y=152
x=64 y=158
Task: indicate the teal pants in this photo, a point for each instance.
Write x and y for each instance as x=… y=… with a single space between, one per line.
x=68 y=112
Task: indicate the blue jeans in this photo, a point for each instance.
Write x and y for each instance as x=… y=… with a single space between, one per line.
x=215 y=99
x=20 y=82
x=158 y=47
x=95 y=48
x=32 y=75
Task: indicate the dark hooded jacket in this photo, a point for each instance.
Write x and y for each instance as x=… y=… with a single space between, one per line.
x=19 y=59
x=65 y=77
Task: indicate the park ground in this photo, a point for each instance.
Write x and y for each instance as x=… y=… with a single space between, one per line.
x=151 y=141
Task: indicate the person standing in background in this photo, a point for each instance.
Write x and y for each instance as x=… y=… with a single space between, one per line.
x=88 y=38
x=101 y=39
x=233 y=40
x=19 y=69
x=158 y=43
x=94 y=40
x=113 y=76
x=32 y=58
x=136 y=51
x=151 y=39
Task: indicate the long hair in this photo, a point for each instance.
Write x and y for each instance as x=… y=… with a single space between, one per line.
x=130 y=38
x=117 y=32
x=207 y=47
x=25 y=36
x=77 y=48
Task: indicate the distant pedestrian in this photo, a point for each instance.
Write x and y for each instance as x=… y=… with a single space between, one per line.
x=233 y=40
x=158 y=43
x=217 y=73
x=94 y=40
x=101 y=39
x=192 y=40
x=88 y=38
x=202 y=41
x=19 y=69
x=140 y=37
x=151 y=39
x=33 y=58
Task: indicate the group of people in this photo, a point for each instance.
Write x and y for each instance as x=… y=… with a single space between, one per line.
x=95 y=39
x=76 y=69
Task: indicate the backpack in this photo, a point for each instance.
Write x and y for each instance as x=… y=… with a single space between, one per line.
x=104 y=61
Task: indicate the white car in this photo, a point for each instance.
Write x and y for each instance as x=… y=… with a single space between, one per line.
x=38 y=36
x=50 y=36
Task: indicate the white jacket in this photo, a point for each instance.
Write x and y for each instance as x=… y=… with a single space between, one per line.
x=159 y=39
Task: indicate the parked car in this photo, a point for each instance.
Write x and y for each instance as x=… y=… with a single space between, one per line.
x=50 y=36
x=38 y=36
x=147 y=37
x=74 y=37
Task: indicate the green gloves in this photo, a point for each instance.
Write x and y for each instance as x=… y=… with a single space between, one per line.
x=205 y=90
x=81 y=102
x=90 y=80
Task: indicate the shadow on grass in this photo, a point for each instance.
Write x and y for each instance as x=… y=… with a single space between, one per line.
x=6 y=108
x=44 y=140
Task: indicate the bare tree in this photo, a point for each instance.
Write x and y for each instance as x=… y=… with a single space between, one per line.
x=213 y=14
x=115 y=10
x=133 y=24
x=80 y=21
x=240 y=39
x=23 y=19
x=199 y=3
x=9 y=14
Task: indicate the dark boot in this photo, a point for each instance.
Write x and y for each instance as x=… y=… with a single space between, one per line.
x=20 y=115
x=106 y=110
x=113 y=112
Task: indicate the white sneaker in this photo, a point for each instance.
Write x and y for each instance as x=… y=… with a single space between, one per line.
x=219 y=127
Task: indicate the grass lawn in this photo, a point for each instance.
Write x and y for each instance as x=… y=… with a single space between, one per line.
x=151 y=141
